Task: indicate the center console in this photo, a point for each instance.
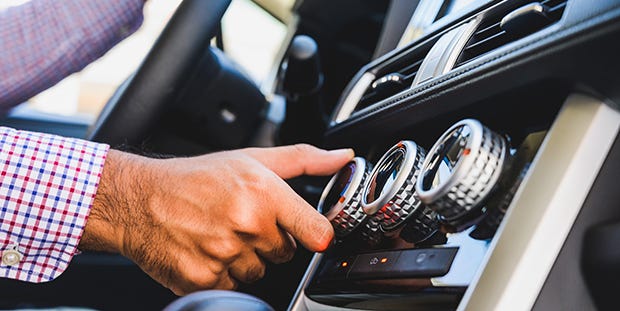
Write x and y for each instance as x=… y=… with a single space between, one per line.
x=418 y=223
x=476 y=151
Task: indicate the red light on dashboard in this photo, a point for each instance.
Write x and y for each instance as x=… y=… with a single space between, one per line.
x=344 y=264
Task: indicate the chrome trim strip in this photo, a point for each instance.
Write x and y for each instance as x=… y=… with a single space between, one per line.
x=297 y=303
x=544 y=209
x=348 y=105
x=443 y=55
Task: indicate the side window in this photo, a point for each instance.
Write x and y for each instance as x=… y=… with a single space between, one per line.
x=253 y=37
x=83 y=94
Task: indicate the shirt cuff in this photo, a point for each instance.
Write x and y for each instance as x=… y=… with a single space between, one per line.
x=47 y=187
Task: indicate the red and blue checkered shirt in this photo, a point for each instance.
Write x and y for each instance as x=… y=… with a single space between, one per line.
x=47 y=182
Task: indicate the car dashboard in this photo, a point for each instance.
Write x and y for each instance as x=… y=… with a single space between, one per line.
x=486 y=152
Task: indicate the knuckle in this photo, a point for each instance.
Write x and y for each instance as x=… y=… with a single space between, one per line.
x=204 y=281
x=255 y=273
x=248 y=222
x=283 y=253
x=198 y=279
x=232 y=285
x=303 y=148
x=226 y=284
x=226 y=251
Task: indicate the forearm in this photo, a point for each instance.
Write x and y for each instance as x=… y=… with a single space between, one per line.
x=43 y=41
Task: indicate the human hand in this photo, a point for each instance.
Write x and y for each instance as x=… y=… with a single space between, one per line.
x=209 y=221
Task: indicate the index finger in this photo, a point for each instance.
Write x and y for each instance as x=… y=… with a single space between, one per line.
x=301 y=220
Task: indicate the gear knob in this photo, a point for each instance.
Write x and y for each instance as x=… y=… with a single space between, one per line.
x=218 y=300
x=303 y=72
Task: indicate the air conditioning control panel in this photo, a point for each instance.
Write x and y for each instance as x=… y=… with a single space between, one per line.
x=417 y=220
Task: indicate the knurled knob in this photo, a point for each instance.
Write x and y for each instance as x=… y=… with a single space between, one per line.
x=340 y=200
x=390 y=197
x=461 y=170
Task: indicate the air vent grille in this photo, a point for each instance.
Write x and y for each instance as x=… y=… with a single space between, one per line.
x=405 y=68
x=490 y=35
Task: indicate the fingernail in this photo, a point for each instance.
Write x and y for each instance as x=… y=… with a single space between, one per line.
x=326 y=237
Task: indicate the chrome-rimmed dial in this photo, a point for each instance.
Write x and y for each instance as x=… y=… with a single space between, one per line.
x=475 y=157
x=340 y=200
x=389 y=195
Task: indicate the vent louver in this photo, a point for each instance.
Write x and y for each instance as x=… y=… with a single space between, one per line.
x=490 y=34
x=393 y=78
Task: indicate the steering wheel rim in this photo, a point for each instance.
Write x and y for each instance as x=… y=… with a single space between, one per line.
x=142 y=99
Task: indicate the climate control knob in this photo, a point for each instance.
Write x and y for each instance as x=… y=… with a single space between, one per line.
x=460 y=172
x=340 y=200
x=390 y=197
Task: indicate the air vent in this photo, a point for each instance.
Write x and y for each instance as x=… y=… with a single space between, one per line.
x=504 y=26
x=393 y=78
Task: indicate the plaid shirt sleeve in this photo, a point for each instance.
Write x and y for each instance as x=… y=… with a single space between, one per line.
x=48 y=183
x=47 y=186
x=44 y=41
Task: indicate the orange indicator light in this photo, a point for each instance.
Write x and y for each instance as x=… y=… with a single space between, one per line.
x=383 y=260
x=344 y=264
x=466 y=151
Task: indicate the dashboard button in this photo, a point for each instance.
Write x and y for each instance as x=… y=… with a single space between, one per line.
x=410 y=263
x=428 y=262
x=374 y=265
x=337 y=268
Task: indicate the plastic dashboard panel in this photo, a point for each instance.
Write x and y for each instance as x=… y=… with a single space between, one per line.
x=541 y=55
x=563 y=80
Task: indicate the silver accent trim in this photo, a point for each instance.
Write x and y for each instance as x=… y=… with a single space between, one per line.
x=544 y=209
x=443 y=55
x=348 y=105
x=526 y=9
x=297 y=303
x=313 y=305
x=391 y=77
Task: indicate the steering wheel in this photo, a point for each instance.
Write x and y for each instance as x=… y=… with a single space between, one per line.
x=142 y=99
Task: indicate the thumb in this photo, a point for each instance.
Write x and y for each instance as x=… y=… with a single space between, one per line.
x=301 y=159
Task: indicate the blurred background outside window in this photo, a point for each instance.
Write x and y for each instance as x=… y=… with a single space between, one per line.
x=252 y=37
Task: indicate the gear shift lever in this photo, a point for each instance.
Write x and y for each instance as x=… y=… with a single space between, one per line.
x=302 y=84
